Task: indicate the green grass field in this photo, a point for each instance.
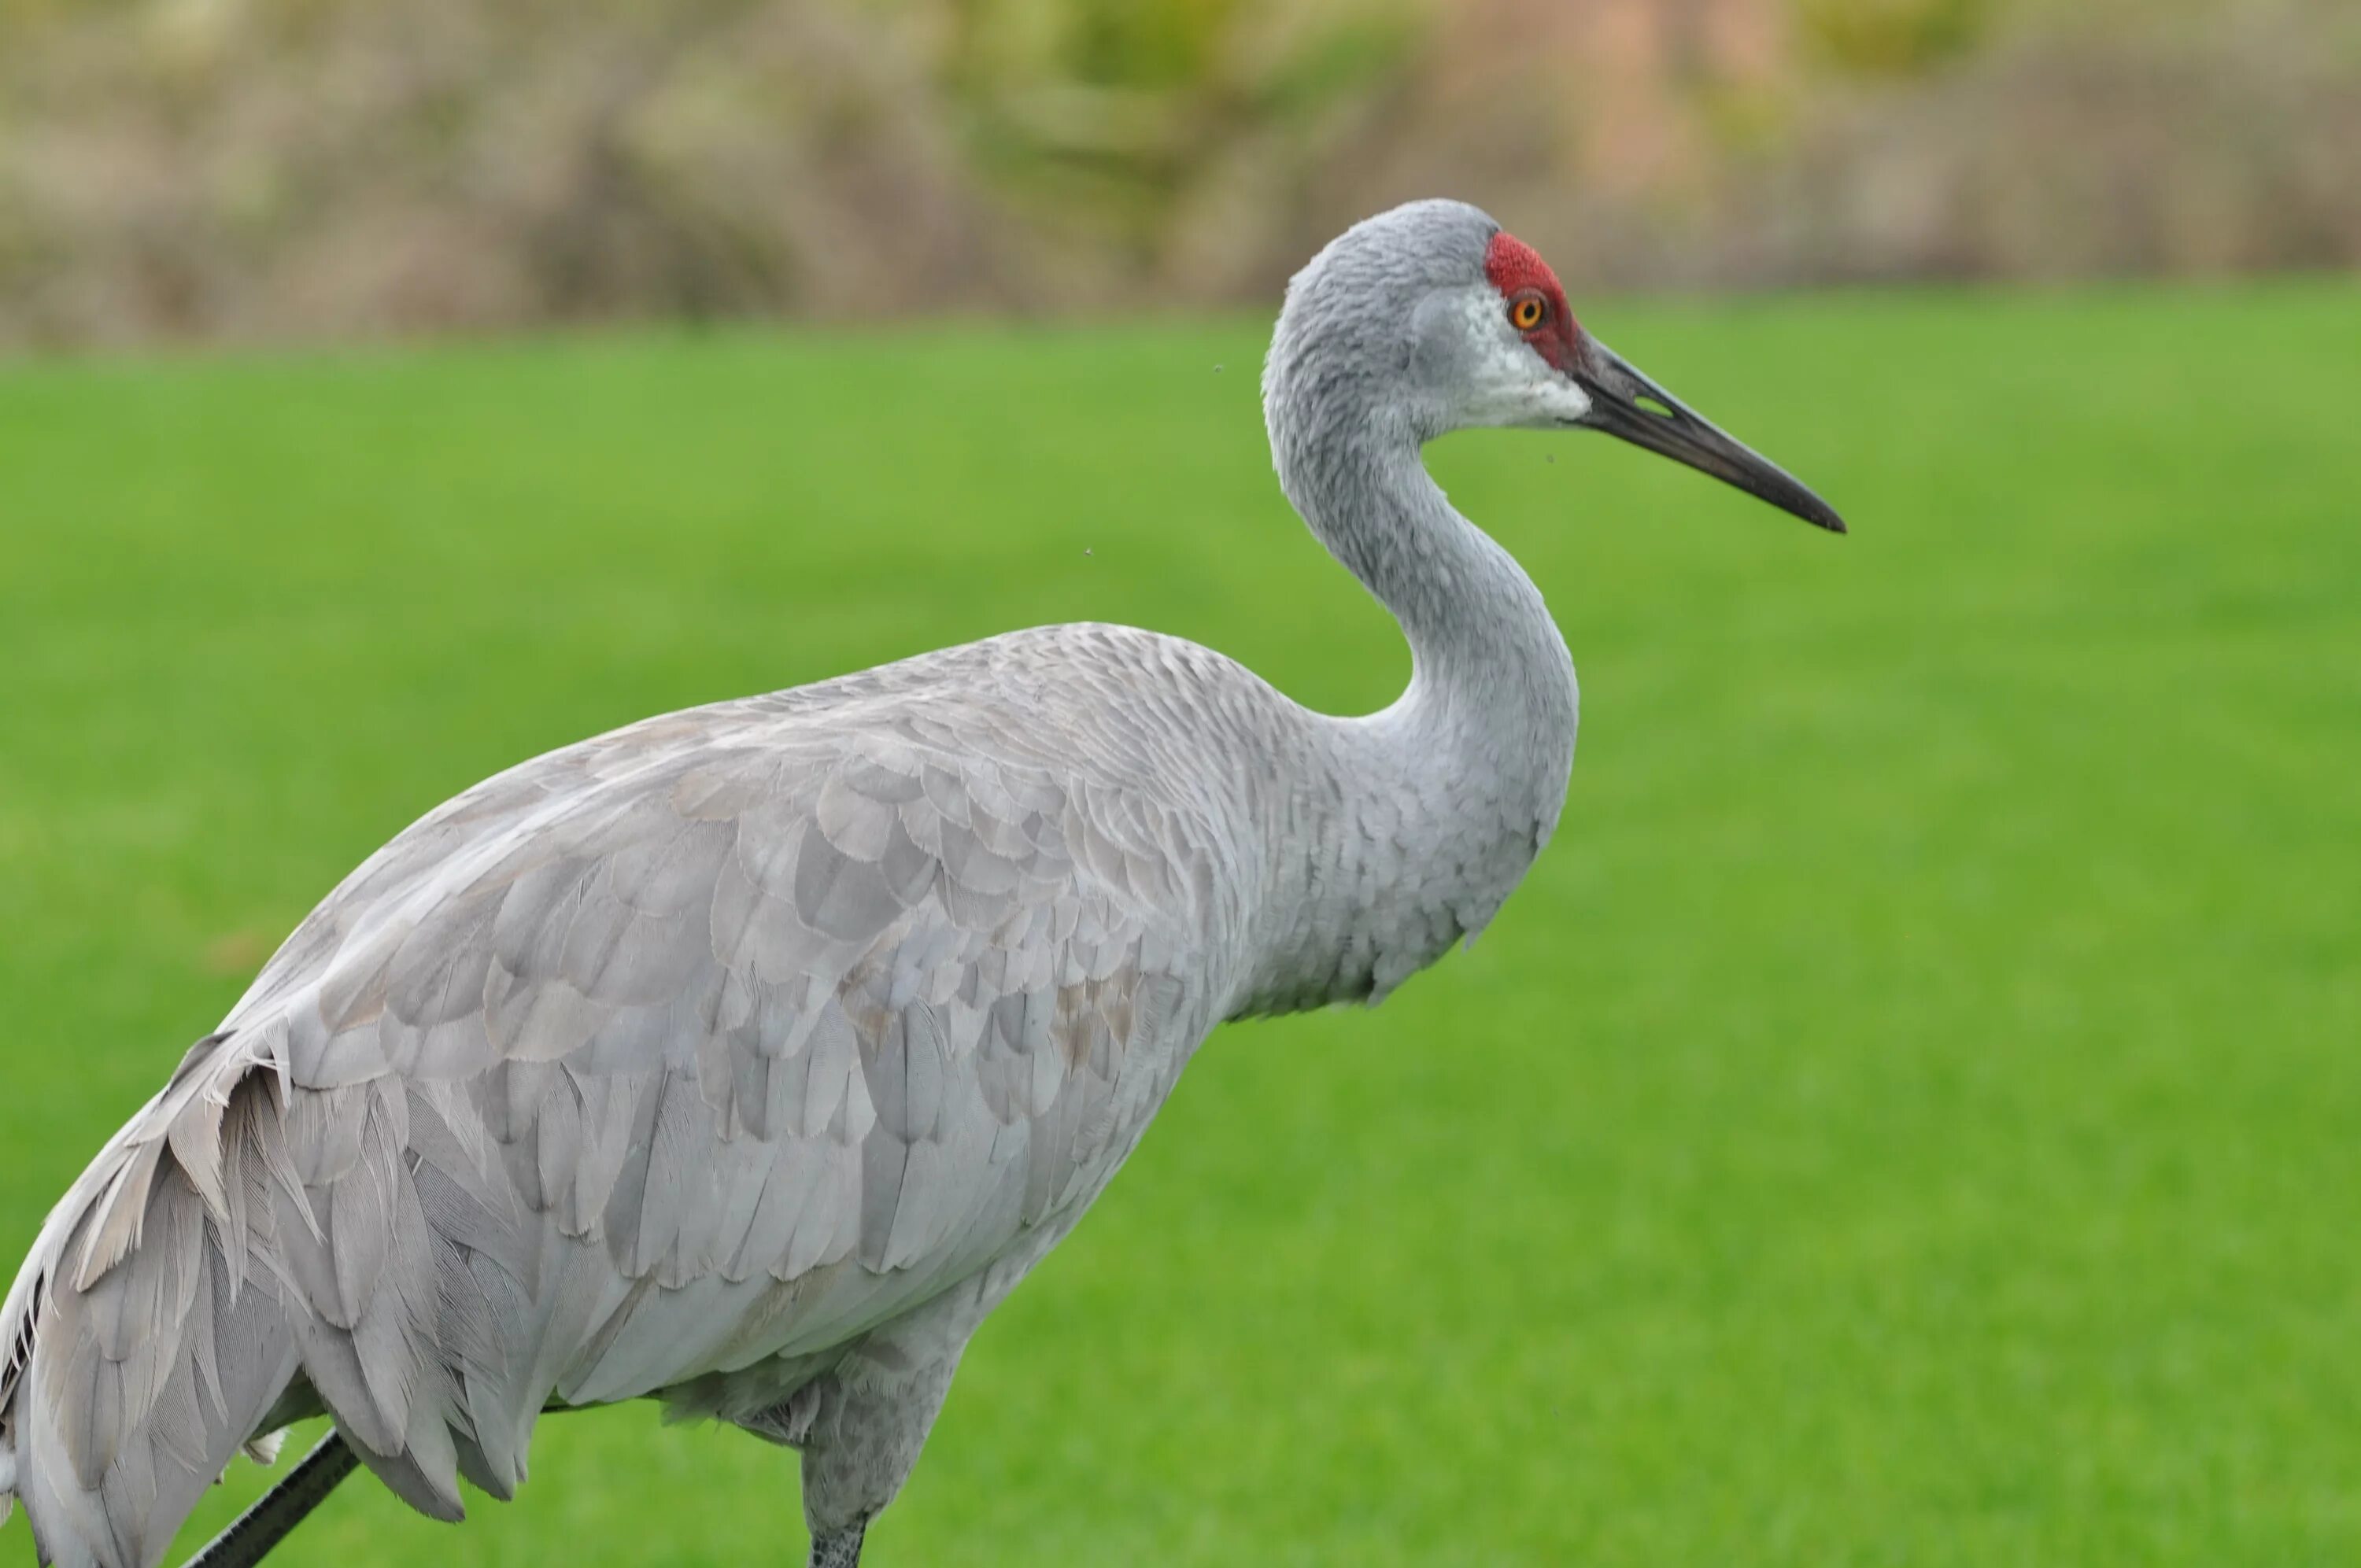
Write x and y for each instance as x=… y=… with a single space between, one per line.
x=1908 y=1117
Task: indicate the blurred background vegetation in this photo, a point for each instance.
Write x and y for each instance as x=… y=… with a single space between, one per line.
x=298 y=169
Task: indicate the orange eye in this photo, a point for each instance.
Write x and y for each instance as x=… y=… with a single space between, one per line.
x=1527 y=313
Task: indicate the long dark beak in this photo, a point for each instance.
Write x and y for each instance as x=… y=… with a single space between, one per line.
x=1625 y=403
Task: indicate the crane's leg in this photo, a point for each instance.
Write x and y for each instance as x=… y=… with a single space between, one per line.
x=861 y=1423
x=263 y=1526
x=838 y=1549
x=868 y=1420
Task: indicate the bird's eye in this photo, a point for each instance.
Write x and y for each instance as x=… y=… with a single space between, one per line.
x=1527 y=312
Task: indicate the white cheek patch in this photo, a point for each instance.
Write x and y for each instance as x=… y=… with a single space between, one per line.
x=1507 y=382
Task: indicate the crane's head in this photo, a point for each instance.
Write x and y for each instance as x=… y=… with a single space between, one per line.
x=1434 y=312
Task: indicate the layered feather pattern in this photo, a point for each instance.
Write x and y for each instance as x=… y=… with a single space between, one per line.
x=703 y=1047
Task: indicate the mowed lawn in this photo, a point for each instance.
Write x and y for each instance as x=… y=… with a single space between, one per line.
x=1910 y=1114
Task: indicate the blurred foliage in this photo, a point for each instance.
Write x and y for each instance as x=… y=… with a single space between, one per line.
x=309 y=168
x=1893 y=38
x=1102 y=113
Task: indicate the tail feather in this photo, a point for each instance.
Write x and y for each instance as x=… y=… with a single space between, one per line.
x=148 y=1353
x=236 y=1235
x=15 y=1351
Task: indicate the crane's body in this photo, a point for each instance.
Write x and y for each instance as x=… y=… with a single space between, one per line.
x=746 y=1057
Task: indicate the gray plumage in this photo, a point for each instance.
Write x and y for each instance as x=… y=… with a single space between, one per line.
x=746 y=1057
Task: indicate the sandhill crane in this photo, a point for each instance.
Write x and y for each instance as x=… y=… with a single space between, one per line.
x=746 y=1057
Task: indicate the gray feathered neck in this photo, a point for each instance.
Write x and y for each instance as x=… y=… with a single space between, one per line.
x=1440 y=802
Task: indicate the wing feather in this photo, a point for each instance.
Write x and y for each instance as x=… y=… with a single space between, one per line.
x=722 y=1038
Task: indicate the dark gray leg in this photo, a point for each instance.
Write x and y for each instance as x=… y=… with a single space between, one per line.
x=860 y=1423
x=263 y=1526
x=838 y=1548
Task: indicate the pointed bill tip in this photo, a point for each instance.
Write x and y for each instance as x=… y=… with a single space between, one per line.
x=1627 y=405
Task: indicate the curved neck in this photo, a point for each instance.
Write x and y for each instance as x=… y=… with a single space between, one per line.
x=1477 y=626
x=1410 y=826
